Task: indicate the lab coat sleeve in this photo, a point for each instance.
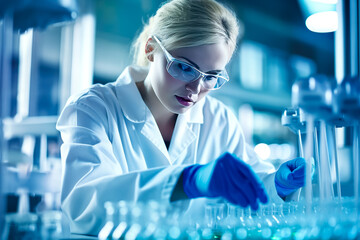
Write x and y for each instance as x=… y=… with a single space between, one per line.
x=238 y=145
x=266 y=173
x=91 y=173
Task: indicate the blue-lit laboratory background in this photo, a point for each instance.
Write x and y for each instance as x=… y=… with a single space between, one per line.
x=276 y=49
x=50 y=63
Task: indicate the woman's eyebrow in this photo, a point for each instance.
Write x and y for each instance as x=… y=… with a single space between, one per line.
x=195 y=65
x=214 y=72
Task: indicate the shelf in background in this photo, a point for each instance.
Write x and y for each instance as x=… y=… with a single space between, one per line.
x=258 y=99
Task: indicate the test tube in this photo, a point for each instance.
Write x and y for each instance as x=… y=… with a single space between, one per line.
x=121 y=228
x=135 y=227
x=214 y=214
x=291 y=119
x=105 y=232
x=308 y=155
x=153 y=219
x=240 y=227
x=314 y=96
x=337 y=167
x=325 y=163
x=356 y=165
x=317 y=160
x=347 y=104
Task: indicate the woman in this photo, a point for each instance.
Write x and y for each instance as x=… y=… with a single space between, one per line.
x=156 y=134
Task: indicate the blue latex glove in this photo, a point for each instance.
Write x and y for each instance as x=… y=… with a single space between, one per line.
x=290 y=176
x=227 y=177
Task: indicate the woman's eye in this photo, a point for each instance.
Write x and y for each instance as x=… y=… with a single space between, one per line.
x=184 y=67
x=211 y=78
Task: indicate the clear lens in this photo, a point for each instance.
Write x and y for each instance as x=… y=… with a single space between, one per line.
x=221 y=81
x=215 y=81
x=182 y=71
x=188 y=73
x=210 y=81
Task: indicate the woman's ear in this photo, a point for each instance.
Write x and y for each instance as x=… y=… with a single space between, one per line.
x=149 y=50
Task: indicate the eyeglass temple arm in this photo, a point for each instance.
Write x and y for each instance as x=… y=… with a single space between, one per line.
x=167 y=54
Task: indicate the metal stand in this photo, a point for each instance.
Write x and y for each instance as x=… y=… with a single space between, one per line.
x=6 y=37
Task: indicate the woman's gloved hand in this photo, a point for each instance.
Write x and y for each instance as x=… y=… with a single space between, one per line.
x=227 y=177
x=290 y=176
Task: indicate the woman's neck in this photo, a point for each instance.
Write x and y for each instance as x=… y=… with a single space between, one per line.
x=164 y=118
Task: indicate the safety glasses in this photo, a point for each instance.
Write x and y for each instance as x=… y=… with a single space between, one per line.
x=187 y=73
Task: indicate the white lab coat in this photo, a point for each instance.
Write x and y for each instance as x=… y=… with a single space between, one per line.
x=113 y=149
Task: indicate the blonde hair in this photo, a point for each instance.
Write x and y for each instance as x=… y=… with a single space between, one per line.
x=188 y=23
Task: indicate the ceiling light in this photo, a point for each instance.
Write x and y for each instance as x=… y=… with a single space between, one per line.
x=326 y=1
x=322 y=22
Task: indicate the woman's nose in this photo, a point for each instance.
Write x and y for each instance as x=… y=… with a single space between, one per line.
x=194 y=86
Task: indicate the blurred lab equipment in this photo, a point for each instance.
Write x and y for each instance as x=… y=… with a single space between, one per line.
x=291 y=119
x=30 y=174
x=324 y=105
x=320 y=106
x=32 y=181
x=321 y=16
x=38 y=14
x=222 y=220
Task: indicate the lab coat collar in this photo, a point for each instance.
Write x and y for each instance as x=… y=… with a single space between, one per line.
x=137 y=111
x=195 y=114
x=130 y=100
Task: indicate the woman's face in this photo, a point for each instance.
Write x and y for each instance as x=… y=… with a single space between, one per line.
x=175 y=95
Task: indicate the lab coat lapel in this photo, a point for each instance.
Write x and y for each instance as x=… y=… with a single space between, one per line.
x=151 y=131
x=139 y=113
x=186 y=127
x=183 y=136
x=186 y=130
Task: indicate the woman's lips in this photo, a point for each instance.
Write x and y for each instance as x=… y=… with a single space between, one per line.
x=184 y=101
